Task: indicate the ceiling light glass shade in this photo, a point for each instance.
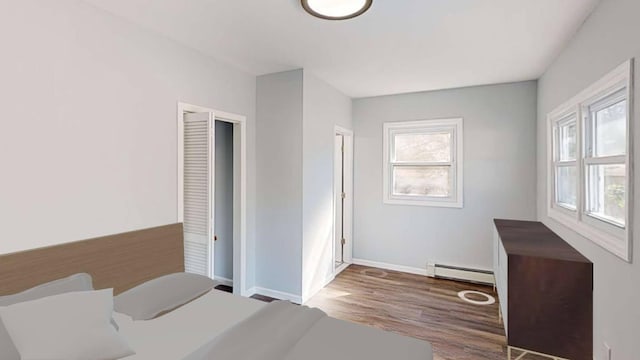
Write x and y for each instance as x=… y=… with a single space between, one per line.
x=336 y=9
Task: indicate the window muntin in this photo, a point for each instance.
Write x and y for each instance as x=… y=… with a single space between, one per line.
x=567 y=184
x=606 y=190
x=607 y=127
x=566 y=165
x=428 y=181
x=422 y=163
x=422 y=147
x=605 y=158
x=567 y=136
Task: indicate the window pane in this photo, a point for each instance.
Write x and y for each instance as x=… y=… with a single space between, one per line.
x=606 y=192
x=609 y=130
x=566 y=179
x=422 y=181
x=567 y=141
x=432 y=147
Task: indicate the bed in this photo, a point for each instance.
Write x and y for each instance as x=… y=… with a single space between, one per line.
x=216 y=325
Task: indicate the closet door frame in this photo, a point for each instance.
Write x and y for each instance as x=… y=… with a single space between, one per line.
x=239 y=185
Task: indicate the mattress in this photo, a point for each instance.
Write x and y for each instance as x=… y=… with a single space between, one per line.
x=178 y=333
x=351 y=341
x=282 y=331
x=219 y=325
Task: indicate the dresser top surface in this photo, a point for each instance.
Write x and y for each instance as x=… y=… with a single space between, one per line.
x=533 y=238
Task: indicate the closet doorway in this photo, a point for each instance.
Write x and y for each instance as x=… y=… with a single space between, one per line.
x=343 y=199
x=223 y=203
x=212 y=193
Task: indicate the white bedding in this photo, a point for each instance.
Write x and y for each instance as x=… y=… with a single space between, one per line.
x=177 y=334
x=282 y=331
x=298 y=333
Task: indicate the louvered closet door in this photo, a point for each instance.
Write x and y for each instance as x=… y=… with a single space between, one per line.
x=198 y=192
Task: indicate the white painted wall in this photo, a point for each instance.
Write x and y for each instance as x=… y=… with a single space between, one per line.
x=88 y=130
x=608 y=38
x=223 y=211
x=324 y=107
x=279 y=190
x=499 y=176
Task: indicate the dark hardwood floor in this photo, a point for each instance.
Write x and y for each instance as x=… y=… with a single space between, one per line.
x=419 y=307
x=416 y=306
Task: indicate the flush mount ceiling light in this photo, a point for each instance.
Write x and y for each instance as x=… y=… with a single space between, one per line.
x=336 y=9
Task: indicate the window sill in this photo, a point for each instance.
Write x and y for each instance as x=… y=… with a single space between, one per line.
x=424 y=202
x=616 y=245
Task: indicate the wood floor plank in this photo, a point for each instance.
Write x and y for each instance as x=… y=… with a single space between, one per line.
x=420 y=307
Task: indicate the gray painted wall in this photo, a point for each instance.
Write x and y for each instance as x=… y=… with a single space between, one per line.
x=297 y=113
x=324 y=107
x=608 y=38
x=88 y=137
x=279 y=190
x=224 y=200
x=499 y=175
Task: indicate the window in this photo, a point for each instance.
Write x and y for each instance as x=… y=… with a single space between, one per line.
x=589 y=162
x=423 y=163
x=566 y=168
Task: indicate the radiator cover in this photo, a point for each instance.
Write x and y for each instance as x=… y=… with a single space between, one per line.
x=476 y=276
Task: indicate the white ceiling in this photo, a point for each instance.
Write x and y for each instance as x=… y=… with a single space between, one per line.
x=398 y=46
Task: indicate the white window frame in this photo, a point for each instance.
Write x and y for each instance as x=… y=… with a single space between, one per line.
x=559 y=163
x=454 y=126
x=607 y=234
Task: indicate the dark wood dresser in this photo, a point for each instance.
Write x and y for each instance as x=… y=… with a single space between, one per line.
x=545 y=289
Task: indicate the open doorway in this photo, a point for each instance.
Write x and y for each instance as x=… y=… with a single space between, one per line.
x=212 y=193
x=223 y=204
x=343 y=199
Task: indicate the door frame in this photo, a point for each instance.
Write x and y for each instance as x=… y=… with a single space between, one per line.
x=239 y=186
x=348 y=208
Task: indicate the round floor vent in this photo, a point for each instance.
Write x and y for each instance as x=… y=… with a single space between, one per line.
x=471 y=297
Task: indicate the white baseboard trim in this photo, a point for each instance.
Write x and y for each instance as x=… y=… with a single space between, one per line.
x=386 y=266
x=280 y=295
x=340 y=269
x=453 y=274
x=223 y=281
x=313 y=292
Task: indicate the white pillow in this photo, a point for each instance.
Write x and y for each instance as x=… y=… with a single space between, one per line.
x=160 y=295
x=77 y=282
x=71 y=326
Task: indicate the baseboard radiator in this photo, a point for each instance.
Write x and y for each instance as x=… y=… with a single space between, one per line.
x=457 y=273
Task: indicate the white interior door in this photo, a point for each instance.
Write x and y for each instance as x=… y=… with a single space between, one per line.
x=347 y=174
x=339 y=200
x=224 y=202
x=343 y=199
x=198 y=192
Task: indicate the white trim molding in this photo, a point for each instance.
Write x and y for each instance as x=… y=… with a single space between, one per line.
x=223 y=281
x=453 y=126
x=313 y=292
x=612 y=236
x=393 y=267
x=348 y=201
x=460 y=275
x=280 y=295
